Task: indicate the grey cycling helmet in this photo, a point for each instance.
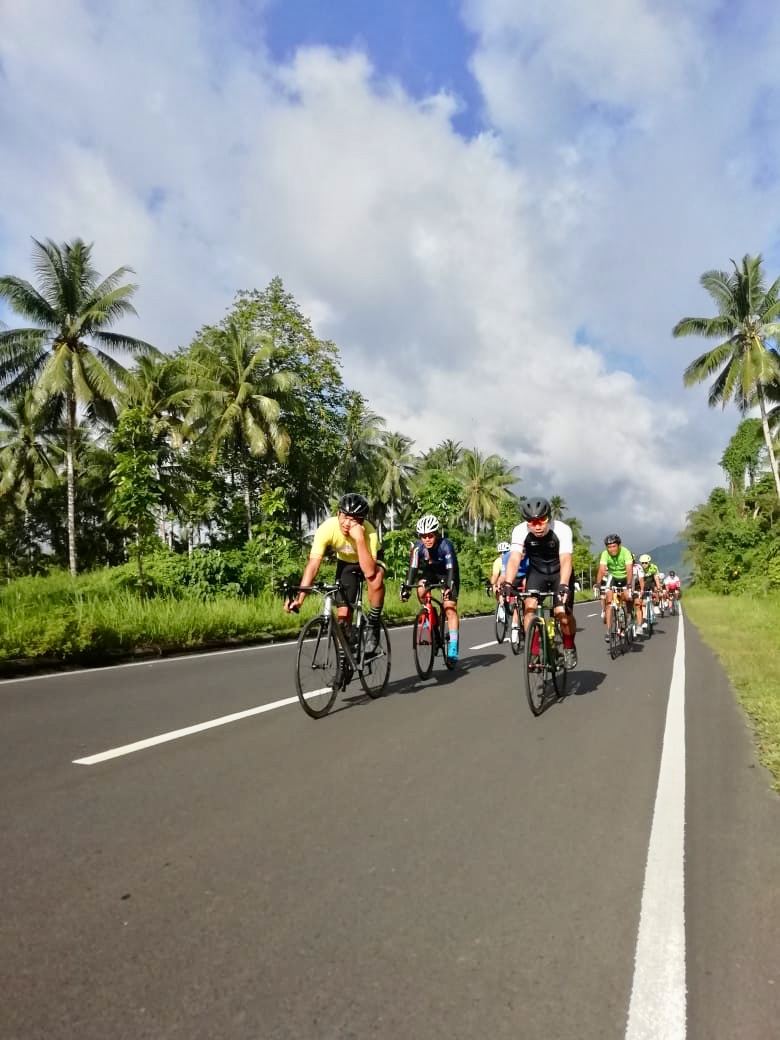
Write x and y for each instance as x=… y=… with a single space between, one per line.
x=535 y=508
x=428 y=524
x=502 y=547
x=354 y=505
x=613 y=538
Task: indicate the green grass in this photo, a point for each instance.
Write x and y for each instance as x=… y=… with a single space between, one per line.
x=54 y=621
x=744 y=631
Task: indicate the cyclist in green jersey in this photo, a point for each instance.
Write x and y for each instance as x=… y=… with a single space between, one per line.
x=617 y=562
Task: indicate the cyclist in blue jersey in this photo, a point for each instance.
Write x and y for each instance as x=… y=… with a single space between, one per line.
x=434 y=558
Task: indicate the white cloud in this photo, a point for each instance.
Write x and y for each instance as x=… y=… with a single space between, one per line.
x=451 y=273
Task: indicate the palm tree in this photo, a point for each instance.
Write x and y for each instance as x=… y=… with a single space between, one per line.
x=557 y=507
x=746 y=321
x=447 y=456
x=236 y=398
x=396 y=466
x=486 y=480
x=71 y=310
x=28 y=454
x=363 y=439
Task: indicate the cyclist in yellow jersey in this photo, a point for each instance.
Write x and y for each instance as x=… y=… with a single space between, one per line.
x=355 y=543
x=617 y=561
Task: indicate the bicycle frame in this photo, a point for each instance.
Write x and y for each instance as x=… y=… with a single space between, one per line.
x=541 y=641
x=432 y=614
x=327 y=647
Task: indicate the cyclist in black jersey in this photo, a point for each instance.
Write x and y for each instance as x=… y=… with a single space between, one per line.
x=548 y=545
x=434 y=557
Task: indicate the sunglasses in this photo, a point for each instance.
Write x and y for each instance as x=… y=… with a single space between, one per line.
x=539 y=520
x=428 y=534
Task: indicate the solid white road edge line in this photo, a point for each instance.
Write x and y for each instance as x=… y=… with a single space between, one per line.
x=657 y=1009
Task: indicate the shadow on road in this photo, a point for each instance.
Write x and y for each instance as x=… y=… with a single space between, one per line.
x=582 y=682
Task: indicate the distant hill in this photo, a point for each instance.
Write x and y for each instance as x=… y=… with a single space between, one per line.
x=670 y=558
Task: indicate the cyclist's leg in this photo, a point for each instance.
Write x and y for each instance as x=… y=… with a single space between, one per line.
x=375 y=584
x=450 y=604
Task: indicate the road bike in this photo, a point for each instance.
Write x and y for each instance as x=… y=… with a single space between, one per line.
x=621 y=625
x=330 y=653
x=508 y=618
x=649 y=612
x=544 y=663
x=430 y=633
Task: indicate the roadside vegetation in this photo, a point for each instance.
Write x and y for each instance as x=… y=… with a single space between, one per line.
x=733 y=539
x=162 y=505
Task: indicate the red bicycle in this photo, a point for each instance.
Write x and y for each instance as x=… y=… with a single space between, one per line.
x=430 y=633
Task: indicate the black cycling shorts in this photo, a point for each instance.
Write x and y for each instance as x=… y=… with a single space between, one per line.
x=535 y=581
x=349 y=575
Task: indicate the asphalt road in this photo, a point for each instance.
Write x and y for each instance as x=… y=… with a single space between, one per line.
x=435 y=864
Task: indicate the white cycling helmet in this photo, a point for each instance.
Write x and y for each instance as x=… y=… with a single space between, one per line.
x=428 y=524
x=503 y=547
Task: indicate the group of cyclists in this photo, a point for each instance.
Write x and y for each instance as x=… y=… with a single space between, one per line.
x=623 y=576
x=540 y=552
x=538 y=557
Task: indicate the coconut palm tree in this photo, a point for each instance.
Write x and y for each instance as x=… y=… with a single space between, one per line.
x=236 y=399
x=557 y=507
x=448 y=455
x=396 y=466
x=486 y=480
x=746 y=325
x=363 y=439
x=28 y=454
x=64 y=355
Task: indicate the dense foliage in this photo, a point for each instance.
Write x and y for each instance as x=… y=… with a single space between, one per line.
x=207 y=469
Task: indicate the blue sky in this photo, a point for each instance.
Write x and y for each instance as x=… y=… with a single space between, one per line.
x=498 y=210
x=426 y=46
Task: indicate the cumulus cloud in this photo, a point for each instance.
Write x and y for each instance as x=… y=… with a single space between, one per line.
x=453 y=273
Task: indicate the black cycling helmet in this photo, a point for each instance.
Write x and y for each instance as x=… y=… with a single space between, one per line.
x=353 y=504
x=613 y=538
x=535 y=508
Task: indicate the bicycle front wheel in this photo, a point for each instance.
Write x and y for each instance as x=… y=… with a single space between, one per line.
x=614 y=639
x=534 y=665
x=557 y=666
x=317 y=669
x=501 y=622
x=375 y=670
x=423 y=644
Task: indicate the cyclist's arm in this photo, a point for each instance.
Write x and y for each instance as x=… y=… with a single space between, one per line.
x=309 y=574
x=512 y=566
x=566 y=568
x=366 y=558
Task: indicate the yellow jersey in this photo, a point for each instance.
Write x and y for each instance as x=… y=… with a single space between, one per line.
x=329 y=538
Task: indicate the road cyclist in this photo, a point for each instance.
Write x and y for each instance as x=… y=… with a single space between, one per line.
x=433 y=557
x=354 y=541
x=547 y=545
x=616 y=563
x=672 y=584
x=650 y=587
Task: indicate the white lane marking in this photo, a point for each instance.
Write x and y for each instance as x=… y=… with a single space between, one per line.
x=481 y=646
x=657 y=1009
x=176 y=734
x=594 y=615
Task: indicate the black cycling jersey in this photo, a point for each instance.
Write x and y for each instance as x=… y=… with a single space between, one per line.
x=544 y=554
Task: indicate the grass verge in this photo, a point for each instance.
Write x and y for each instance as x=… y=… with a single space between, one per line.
x=744 y=631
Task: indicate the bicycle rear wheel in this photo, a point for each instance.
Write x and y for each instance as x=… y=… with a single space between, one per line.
x=317 y=671
x=374 y=671
x=423 y=643
x=650 y=618
x=557 y=666
x=502 y=621
x=534 y=665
